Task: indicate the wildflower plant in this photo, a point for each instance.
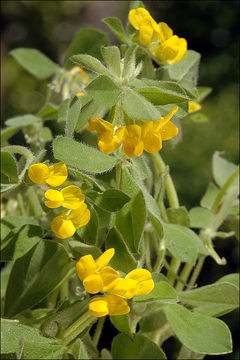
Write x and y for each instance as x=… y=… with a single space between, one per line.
x=92 y=226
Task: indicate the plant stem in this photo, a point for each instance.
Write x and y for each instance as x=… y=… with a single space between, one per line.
x=160 y=258
x=21 y=204
x=174 y=266
x=98 y=330
x=147 y=251
x=77 y=327
x=184 y=276
x=196 y=271
x=118 y=176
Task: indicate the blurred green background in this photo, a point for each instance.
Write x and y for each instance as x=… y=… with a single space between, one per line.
x=210 y=27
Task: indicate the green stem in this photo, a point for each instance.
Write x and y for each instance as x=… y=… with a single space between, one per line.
x=147 y=252
x=77 y=327
x=98 y=331
x=21 y=204
x=160 y=258
x=34 y=202
x=174 y=266
x=118 y=176
x=163 y=211
x=196 y=272
x=184 y=276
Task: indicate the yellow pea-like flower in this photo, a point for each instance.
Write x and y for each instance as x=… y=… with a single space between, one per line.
x=65 y=224
x=172 y=50
x=108 y=305
x=95 y=274
x=132 y=141
x=71 y=197
x=193 y=106
x=54 y=175
x=109 y=139
x=77 y=69
x=137 y=282
x=141 y=20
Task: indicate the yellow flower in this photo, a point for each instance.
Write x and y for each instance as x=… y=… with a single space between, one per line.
x=141 y=20
x=71 y=197
x=108 y=140
x=80 y=93
x=96 y=276
x=132 y=142
x=171 y=49
x=153 y=132
x=77 y=69
x=193 y=106
x=54 y=175
x=137 y=282
x=108 y=305
x=65 y=224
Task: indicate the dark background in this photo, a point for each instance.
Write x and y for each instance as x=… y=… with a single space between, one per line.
x=210 y=27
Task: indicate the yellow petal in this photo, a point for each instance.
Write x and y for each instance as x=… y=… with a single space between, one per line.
x=57 y=174
x=193 y=106
x=165 y=31
x=166 y=118
x=168 y=131
x=80 y=93
x=98 y=307
x=38 y=173
x=73 y=197
x=151 y=140
x=145 y=34
x=182 y=51
x=80 y=217
x=108 y=143
x=125 y=288
x=145 y=287
x=93 y=283
x=99 y=125
x=139 y=275
x=133 y=146
x=54 y=199
x=86 y=266
x=137 y=16
x=133 y=131
x=116 y=305
x=62 y=228
x=109 y=277
x=104 y=259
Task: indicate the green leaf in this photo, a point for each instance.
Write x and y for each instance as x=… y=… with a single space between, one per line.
x=130 y=221
x=186 y=71
x=35 y=346
x=181 y=242
x=116 y=26
x=122 y=260
x=129 y=62
x=138 y=108
x=30 y=282
x=91 y=160
x=178 y=216
x=104 y=90
x=198 y=332
x=213 y=300
x=111 y=200
x=112 y=58
x=35 y=62
x=5 y=272
x=148 y=70
x=48 y=112
x=197 y=117
x=12 y=224
x=222 y=169
x=72 y=115
x=80 y=249
x=162 y=291
x=135 y=347
x=87 y=41
x=18 y=244
x=79 y=350
x=209 y=197
x=22 y=120
x=153 y=321
x=90 y=110
x=161 y=92
x=8 y=167
x=7 y=133
x=46 y=135
x=121 y=323
x=89 y=232
x=203 y=92
x=90 y=63
x=231 y=278
x=201 y=218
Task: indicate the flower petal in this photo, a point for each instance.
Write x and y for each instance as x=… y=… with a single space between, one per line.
x=73 y=197
x=109 y=277
x=104 y=259
x=145 y=287
x=80 y=216
x=108 y=143
x=137 y=16
x=62 y=228
x=116 y=305
x=125 y=288
x=193 y=106
x=38 y=173
x=93 y=283
x=100 y=125
x=168 y=131
x=54 y=199
x=165 y=31
x=133 y=146
x=98 y=307
x=86 y=266
x=57 y=174
x=139 y=275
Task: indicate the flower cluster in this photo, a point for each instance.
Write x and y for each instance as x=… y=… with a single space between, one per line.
x=97 y=276
x=70 y=197
x=159 y=38
x=135 y=138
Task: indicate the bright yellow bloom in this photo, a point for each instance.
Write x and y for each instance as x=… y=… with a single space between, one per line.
x=80 y=93
x=171 y=49
x=193 y=106
x=153 y=132
x=141 y=20
x=132 y=141
x=108 y=140
x=66 y=224
x=71 y=197
x=77 y=69
x=108 y=305
x=137 y=282
x=54 y=175
x=96 y=276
